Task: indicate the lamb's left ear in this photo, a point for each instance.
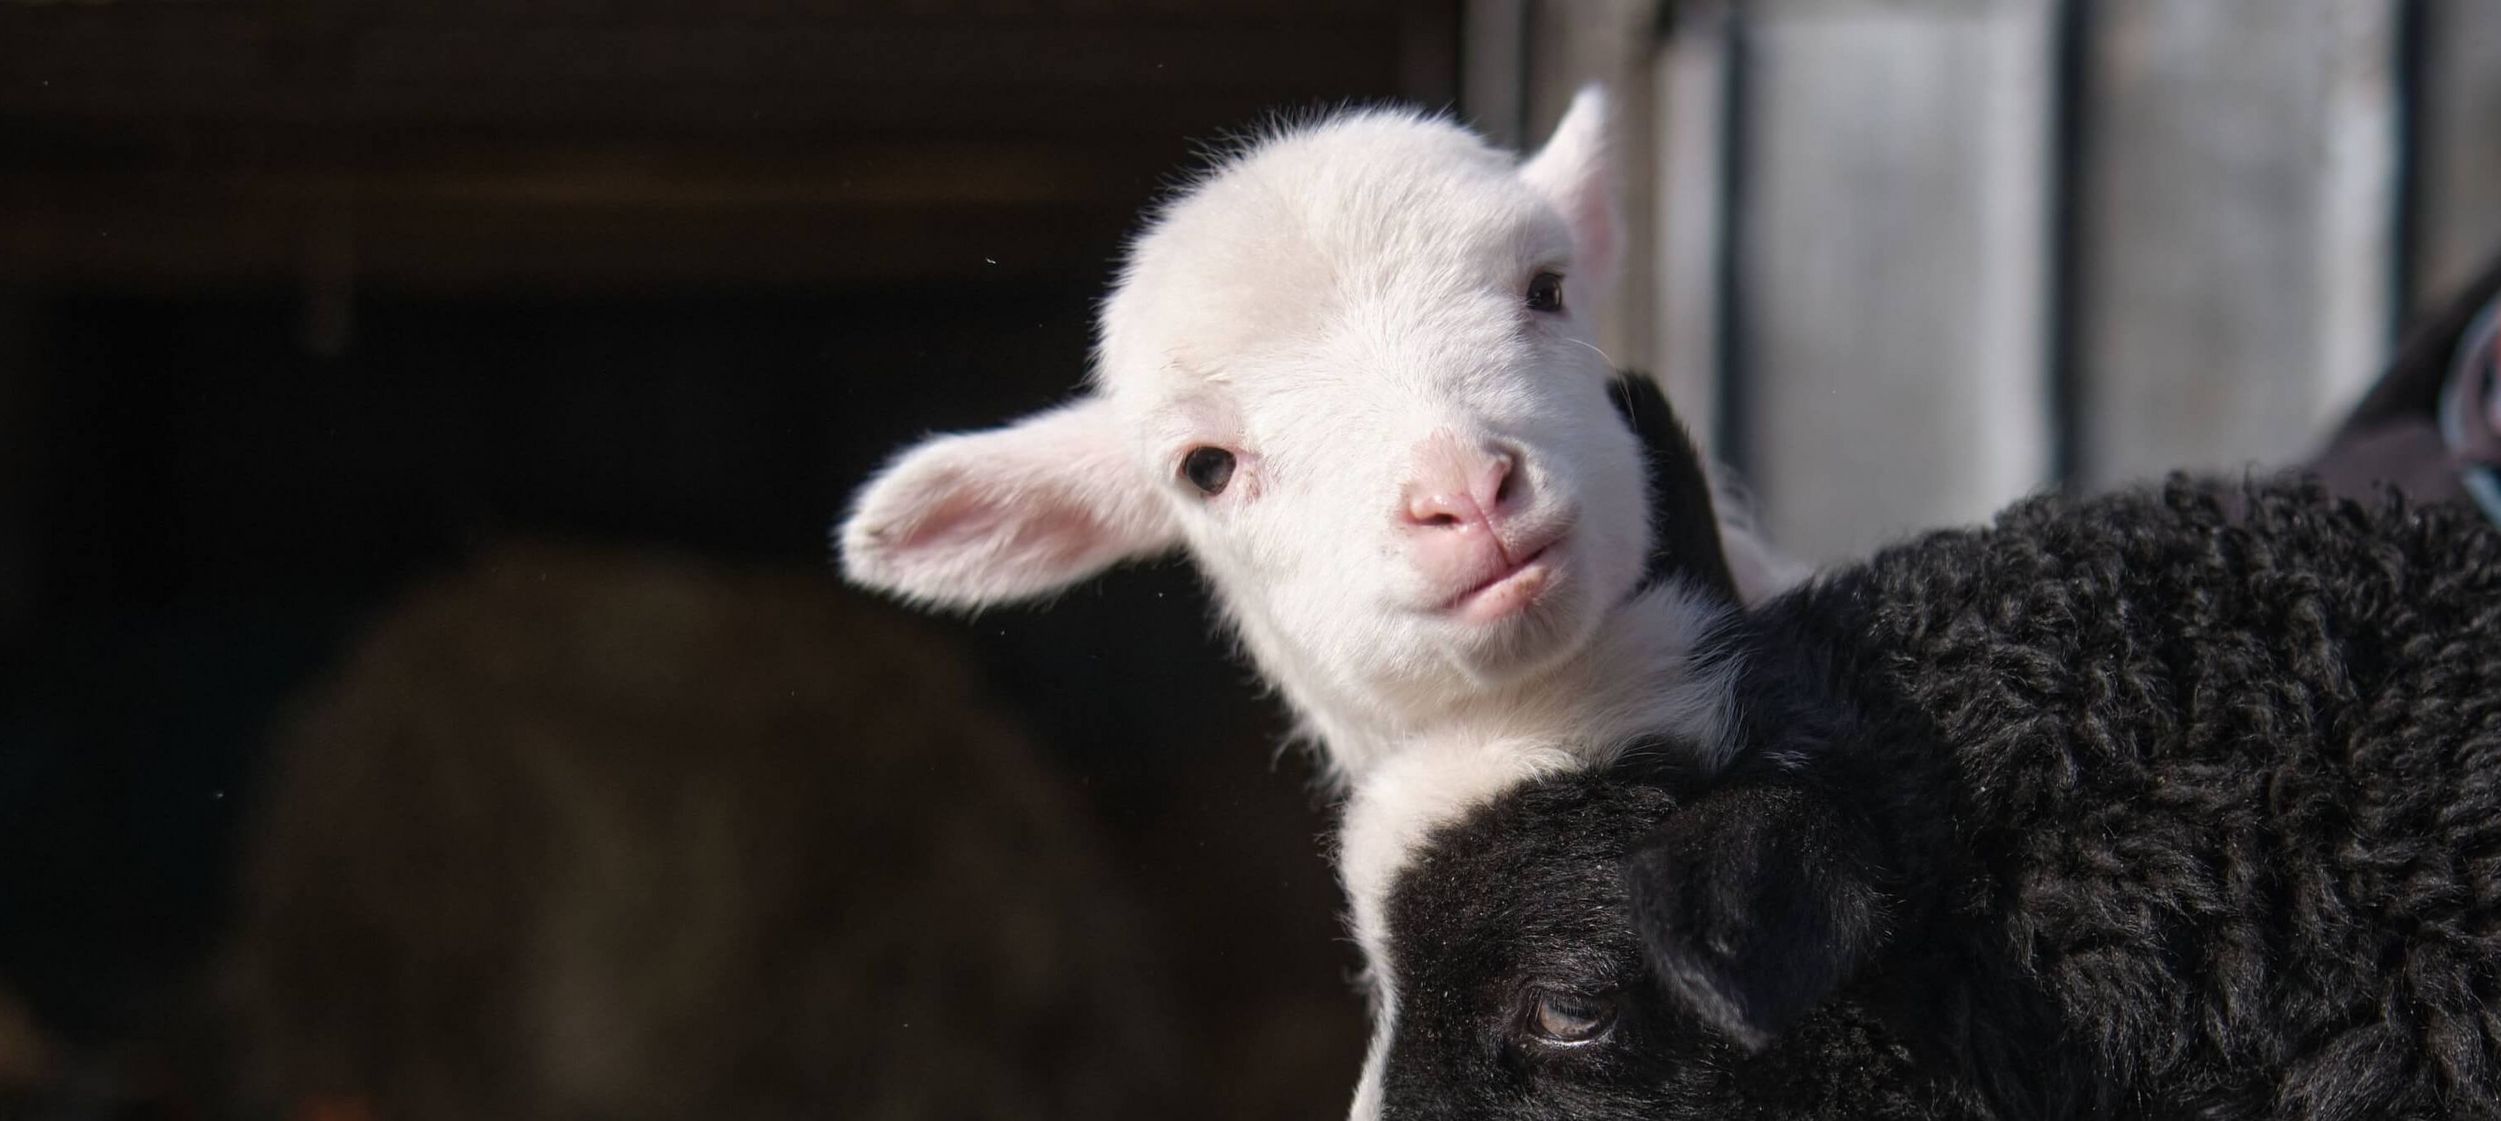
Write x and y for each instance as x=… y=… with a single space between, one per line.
x=1684 y=516
x=1575 y=172
x=1755 y=904
x=1012 y=513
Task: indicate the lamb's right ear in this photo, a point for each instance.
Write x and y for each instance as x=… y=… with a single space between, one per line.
x=1008 y=514
x=1755 y=904
x=1575 y=171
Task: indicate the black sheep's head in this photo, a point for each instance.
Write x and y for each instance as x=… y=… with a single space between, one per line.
x=1588 y=947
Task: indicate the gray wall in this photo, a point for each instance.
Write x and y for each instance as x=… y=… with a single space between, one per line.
x=1907 y=260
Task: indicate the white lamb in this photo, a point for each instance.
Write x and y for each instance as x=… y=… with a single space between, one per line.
x=1351 y=371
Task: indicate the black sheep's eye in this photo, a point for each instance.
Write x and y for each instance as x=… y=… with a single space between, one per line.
x=1564 y=1019
x=1208 y=469
x=1545 y=292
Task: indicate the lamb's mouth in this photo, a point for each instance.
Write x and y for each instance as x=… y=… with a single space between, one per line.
x=1512 y=590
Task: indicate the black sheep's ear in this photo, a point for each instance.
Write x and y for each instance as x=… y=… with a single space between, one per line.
x=1684 y=517
x=1755 y=904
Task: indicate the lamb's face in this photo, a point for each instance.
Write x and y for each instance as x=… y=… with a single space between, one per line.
x=1352 y=371
x=1583 y=947
x=1358 y=370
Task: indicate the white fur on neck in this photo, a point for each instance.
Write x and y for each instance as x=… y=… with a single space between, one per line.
x=1640 y=678
x=1635 y=678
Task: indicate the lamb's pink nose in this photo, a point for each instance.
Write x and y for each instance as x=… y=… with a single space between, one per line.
x=1461 y=486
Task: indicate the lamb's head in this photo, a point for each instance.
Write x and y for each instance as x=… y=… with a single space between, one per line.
x=1352 y=371
x=1548 y=940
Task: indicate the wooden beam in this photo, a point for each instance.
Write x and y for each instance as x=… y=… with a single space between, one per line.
x=1690 y=96
x=2239 y=204
x=20 y=427
x=1891 y=264
x=2460 y=220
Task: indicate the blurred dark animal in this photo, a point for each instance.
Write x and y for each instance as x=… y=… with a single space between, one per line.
x=584 y=834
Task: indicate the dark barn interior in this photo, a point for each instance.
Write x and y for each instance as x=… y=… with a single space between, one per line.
x=305 y=305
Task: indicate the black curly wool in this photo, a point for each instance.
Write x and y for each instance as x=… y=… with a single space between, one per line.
x=2178 y=803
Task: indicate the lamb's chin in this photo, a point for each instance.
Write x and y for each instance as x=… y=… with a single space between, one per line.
x=1510 y=646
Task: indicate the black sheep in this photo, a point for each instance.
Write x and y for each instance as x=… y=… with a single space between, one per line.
x=2180 y=802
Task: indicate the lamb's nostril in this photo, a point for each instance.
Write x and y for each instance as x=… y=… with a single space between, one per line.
x=1459 y=485
x=1442 y=509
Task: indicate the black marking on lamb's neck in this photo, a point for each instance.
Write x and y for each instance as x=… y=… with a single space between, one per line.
x=1684 y=521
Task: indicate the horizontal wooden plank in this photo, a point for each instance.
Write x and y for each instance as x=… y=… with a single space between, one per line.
x=467 y=252
x=227 y=62
x=857 y=173
x=235 y=91
x=159 y=143
x=609 y=216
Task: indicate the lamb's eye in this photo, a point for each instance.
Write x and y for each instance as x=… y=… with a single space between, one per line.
x=1208 y=469
x=1545 y=292
x=1565 y=1019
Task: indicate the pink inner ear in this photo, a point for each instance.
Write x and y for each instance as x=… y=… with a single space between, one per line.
x=1007 y=514
x=1597 y=238
x=1033 y=526
x=1060 y=539
x=1574 y=173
